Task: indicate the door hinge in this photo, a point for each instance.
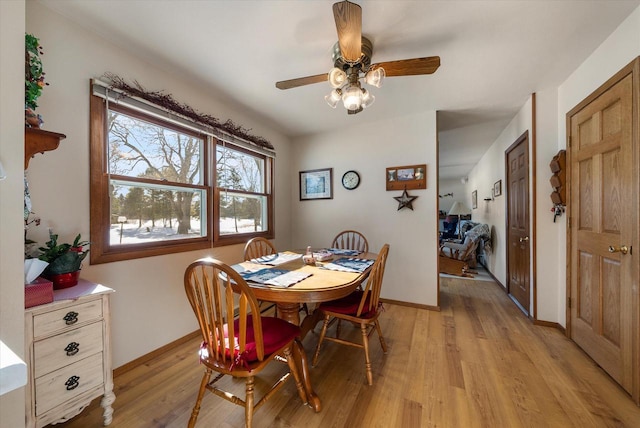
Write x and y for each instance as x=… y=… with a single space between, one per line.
x=569 y=141
x=569 y=221
x=569 y=302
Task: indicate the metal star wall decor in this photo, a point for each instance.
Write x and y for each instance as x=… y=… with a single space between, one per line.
x=405 y=201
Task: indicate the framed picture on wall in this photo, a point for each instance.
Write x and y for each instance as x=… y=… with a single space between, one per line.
x=497 y=188
x=474 y=199
x=316 y=184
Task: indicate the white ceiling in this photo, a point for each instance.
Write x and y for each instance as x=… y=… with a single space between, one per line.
x=494 y=54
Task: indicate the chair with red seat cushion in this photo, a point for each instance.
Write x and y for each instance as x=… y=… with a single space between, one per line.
x=242 y=348
x=362 y=307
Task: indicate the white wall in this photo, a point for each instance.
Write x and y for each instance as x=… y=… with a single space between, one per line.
x=149 y=307
x=490 y=169
x=548 y=234
x=411 y=272
x=618 y=50
x=11 y=194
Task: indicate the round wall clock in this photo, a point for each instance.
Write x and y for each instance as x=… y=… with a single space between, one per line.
x=350 y=180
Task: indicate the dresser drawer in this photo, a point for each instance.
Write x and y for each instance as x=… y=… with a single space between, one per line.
x=66 y=318
x=63 y=385
x=66 y=348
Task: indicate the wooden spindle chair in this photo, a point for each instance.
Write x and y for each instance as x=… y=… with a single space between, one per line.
x=258 y=247
x=351 y=240
x=237 y=340
x=362 y=307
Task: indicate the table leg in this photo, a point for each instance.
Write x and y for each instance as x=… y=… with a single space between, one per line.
x=309 y=322
x=291 y=312
x=303 y=364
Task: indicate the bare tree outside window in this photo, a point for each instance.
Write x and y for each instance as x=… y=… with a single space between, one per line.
x=152 y=168
x=160 y=186
x=241 y=179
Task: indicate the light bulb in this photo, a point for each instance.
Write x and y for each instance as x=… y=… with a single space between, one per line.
x=352 y=97
x=375 y=77
x=337 y=77
x=333 y=98
x=367 y=98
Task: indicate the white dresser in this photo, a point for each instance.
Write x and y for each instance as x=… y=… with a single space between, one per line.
x=68 y=355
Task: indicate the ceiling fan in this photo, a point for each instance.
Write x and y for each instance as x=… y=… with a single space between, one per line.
x=351 y=57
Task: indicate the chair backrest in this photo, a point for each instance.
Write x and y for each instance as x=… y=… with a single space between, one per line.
x=371 y=293
x=351 y=240
x=258 y=247
x=216 y=292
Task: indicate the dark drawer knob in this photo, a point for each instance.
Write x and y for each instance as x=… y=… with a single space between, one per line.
x=72 y=383
x=72 y=348
x=71 y=318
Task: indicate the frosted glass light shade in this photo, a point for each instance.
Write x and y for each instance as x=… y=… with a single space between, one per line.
x=367 y=98
x=337 y=77
x=375 y=77
x=333 y=98
x=352 y=98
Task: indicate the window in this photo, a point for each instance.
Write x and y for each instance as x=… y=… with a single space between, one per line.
x=156 y=187
x=243 y=199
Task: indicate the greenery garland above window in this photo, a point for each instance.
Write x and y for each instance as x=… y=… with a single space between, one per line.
x=166 y=101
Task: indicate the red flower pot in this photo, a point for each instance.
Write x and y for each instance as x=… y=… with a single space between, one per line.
x=64 y=280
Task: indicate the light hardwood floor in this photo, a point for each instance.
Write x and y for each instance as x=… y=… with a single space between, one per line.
x=477 y=363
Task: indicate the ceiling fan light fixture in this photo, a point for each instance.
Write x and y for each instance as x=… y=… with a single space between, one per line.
x=375 y=77
x=367 y=98
x=333 y=98
x=352 y=97
x=337 y=77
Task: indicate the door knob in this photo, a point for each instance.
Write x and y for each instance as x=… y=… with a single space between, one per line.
x=622 y=249
x=525 y=239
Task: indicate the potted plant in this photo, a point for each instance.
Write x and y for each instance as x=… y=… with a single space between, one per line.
x=34 y=80
x=65 y=261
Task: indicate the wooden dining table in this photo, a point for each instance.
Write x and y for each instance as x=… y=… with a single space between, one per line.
x=322 y=285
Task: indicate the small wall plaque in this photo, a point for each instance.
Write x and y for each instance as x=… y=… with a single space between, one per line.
x=407 y=177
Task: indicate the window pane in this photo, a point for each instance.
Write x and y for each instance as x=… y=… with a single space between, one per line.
x=242 y=213
x=141 y=213
x=239 y=171
x=144 y=149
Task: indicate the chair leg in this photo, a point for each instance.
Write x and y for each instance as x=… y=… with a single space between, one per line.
x=248 y=409
x=365 y=343
x=304 y=308
x=288 y=354
x=325 y=325
x=196 y=409
x=382 y=342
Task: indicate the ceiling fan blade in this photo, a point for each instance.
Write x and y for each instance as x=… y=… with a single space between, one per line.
x=301 y=81
x=348 y=17
x=409 y=67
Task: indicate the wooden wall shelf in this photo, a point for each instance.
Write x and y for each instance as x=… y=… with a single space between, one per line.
x=39 y=141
